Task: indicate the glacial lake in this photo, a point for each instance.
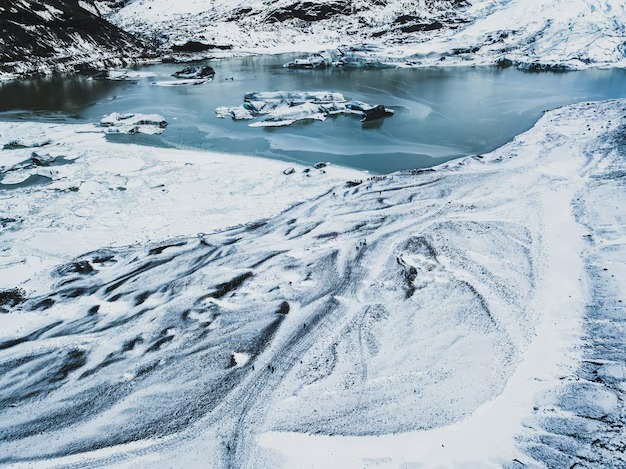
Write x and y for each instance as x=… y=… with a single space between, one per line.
x=441 y=114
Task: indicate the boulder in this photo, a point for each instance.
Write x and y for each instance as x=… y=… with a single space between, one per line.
x=310 y=11
x=197 y=46
x=377 y=112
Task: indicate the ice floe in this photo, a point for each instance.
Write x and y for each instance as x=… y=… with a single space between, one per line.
x=281 y=108
x=193 y=72
x=185 y=82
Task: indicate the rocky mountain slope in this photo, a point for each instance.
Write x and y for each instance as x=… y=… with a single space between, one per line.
x=45 y=35
x=288 y=24
x=569 y=33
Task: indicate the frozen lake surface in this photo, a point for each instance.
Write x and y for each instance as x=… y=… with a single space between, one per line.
x=441 y=114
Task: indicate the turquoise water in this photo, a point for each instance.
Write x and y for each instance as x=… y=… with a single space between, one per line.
x=441 y=114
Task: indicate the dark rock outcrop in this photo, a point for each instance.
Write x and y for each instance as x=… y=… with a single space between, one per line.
x=197 y=46
x=310 y=11
x=377 y=112
x=412 y=28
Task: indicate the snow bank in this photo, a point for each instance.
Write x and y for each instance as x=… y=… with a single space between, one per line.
x=114 y=194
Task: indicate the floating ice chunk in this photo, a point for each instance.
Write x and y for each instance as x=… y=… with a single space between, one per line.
x=296 y=96
x=286 y=115
x=188 y=82
x=281 y=108
x=137 y=129
x=376 y=113
x=193 y=72
x=133 y=123
x=237 y=113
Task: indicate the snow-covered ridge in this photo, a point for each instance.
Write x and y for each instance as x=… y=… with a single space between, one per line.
x=448 y=305
x=42 y=36
x=284 y=25
x=561 y=33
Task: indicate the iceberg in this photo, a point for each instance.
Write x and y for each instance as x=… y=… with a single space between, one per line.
x=237 y=113
x=187 y=82
x=376 y=113
x=281 y=108
x=298 y=97
x=287 y=115
x=193 y=72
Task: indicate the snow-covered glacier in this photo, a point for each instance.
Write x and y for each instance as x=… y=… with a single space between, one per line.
x=469 y=315
x=535 y=35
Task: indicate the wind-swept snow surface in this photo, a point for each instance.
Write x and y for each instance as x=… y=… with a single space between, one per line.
x=537 y=34
x=468 y=316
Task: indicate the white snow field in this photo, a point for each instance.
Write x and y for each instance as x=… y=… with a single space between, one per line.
x=465 y=316
x=562 y=33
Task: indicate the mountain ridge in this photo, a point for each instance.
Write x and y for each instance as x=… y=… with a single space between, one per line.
x=574 y=34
